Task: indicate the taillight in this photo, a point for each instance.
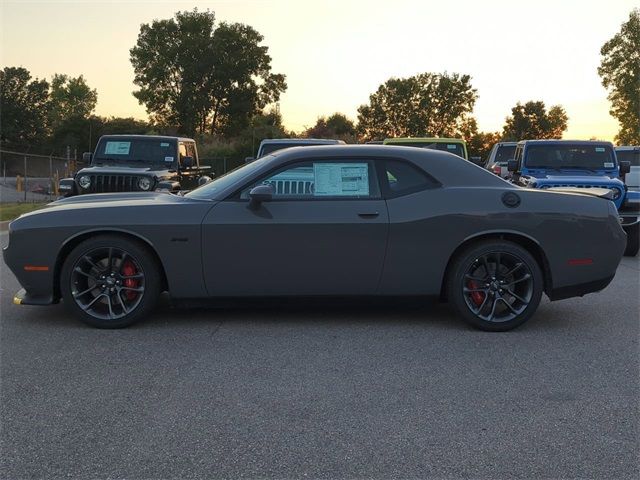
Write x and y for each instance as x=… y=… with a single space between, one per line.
x=496 y=169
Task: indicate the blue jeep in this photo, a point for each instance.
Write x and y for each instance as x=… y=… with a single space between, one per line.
x=578 y=164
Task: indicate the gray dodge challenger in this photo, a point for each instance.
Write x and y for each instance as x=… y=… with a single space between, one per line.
x=360 y=220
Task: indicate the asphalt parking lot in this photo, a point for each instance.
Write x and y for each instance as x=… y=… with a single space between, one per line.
x=324 y=392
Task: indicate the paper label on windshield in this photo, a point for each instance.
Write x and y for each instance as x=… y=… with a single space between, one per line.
x=608 y=164
x=168 y=159
x=600 y=149
x=117 y=148
x=341 y=179
x=164 y=144
x=451 y=147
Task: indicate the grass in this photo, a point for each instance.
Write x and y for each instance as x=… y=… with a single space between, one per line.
x=9 y=211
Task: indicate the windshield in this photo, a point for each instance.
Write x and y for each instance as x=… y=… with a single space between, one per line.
x=209 y=190
x=455 y=148
x=135 y=150
x=588 y=157
x=631 y=156
x=505 y=153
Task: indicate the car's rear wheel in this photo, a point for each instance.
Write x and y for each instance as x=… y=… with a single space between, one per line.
x=495 y=285
x=633 y=241
x=110 y=281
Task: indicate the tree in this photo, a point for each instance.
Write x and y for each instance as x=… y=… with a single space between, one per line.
x=532 y=121
x=336 y=126
x=24 y=105
x=620 y=73
x=70 y=98
x=427 y=104
x=199 y=77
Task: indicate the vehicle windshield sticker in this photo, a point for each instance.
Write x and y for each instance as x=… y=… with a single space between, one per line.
x=117 y=148
x=451 y=147
x=608 y=164
x=168 y=159
x=164 y=144
x=600 y=149
x=341 y=179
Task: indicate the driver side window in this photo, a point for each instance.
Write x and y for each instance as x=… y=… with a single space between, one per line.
x=321 y=179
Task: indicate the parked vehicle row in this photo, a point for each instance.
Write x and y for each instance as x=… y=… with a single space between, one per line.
x=358 y=220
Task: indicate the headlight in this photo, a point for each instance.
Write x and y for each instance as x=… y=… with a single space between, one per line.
x=144 y=183
x=85 y=181
x=616 y=193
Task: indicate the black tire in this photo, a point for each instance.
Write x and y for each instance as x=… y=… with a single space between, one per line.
x=633 y=241
x=110 y=281
x=491 y=300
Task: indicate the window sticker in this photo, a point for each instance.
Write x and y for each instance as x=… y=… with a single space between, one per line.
x=117 y=148
x=599 y=149
x=608 y=164
x=168 y=159
x=341 y=179
x=164 y=144
x=451 y=147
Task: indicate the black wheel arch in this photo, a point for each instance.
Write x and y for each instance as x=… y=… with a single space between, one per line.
x=524 y=241
x=78 y=238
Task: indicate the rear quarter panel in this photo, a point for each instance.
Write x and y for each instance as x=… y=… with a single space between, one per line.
x=427 y=228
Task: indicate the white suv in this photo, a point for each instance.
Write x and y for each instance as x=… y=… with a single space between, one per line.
x=631 y=155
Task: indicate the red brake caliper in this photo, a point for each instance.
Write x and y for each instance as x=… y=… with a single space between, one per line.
x=477 y=297
x=128 y=269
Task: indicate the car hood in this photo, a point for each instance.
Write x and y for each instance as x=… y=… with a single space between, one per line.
x=593 y=179
x=121 y=170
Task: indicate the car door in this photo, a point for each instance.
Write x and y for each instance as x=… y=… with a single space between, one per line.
x=323 y=233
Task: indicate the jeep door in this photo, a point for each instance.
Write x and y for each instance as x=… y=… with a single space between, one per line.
x=323 y=233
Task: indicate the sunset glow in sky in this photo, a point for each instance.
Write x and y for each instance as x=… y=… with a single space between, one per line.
x=336 y=53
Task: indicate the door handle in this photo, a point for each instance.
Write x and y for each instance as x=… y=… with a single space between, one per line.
x=368 y=215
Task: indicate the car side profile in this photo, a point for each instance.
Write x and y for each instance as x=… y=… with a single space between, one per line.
x=358 y=220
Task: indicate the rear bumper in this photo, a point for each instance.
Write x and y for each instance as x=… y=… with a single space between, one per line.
x=580 y=289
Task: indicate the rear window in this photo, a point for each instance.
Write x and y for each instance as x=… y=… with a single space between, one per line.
x=631 y=156
x=505 y=153
x=453 y=147
x=403 y=178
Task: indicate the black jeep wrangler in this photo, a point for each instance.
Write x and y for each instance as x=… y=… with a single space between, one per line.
x=138 y=163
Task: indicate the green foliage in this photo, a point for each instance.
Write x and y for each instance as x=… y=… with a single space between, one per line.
x=336 y=126
x=620 y=73
x=427 y=104
x=24 y=105
x=201 y=78
x=70 y=98
x=532 y=121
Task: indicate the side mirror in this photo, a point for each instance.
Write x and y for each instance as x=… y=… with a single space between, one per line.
x=67 y=187
x=625 y=167
x=187 y=162
x=203 y=180
x=249 y=159
x=86 y=157
x=512 y=165
x=476 y=160
x=259 y=194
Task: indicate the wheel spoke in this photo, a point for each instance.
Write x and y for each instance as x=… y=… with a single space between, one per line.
x=493 y=309
x=471 y=290
x=524 y=278
x=135 y=275
x=85 y=274
x=513 y=270
x=516 y=296
x=513 y=310
x=124 y=307
x=79 y=294
x=475 y=279
x=111 y=314
x=482 y=305
x=90 y=304
x=131 y=289
x=110 y=259
x=90 y=262
x=486 y=266
x=496 y=266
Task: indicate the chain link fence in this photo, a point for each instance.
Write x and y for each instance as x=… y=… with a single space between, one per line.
x=32 y=177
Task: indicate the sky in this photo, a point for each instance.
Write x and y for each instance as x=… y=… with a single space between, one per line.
x=336 y=53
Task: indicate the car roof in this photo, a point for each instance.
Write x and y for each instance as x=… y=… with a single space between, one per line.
x=627 y=148
x=151 y=137
x=423 y=139
x=302 y=141
x=562 y=141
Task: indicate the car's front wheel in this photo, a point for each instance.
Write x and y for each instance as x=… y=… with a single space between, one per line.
x=110 y=281
x=495 y=285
